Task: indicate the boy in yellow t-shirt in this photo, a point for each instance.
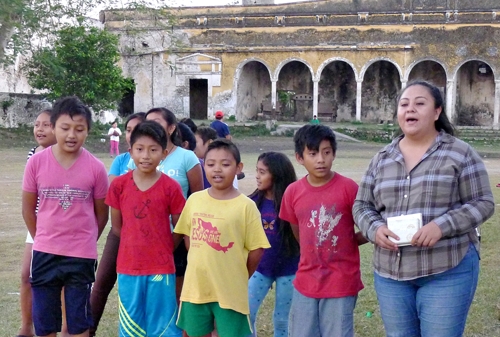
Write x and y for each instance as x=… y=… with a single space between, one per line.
x=226 y=241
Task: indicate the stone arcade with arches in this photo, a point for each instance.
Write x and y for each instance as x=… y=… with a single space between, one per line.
x=342 y=59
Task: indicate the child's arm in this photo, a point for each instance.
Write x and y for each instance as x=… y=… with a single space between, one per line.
x=177 y=237
x=101 y=211
x=195 y=178
x=116 y=221
x=29 y=201
x=253 y=260
x=295 y=231
x=360 y=238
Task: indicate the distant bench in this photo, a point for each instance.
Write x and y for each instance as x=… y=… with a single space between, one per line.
x=266 y=109
x=326 y=111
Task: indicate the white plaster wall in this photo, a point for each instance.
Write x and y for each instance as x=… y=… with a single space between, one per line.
x=13 y=80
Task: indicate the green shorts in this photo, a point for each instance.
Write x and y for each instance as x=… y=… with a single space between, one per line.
x=198 y=320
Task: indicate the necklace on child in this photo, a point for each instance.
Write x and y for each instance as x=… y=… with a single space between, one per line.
x=171 y=149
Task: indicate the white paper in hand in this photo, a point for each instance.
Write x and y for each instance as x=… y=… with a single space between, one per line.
x=404 y=226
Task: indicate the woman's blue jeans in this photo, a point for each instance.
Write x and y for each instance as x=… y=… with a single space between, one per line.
x=258 y=287
x=430 y=306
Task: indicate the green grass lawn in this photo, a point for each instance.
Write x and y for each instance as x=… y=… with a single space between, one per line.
x=351 y=161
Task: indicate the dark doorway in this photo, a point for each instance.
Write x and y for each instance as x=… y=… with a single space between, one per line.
x=198 y=98
x=126 y=105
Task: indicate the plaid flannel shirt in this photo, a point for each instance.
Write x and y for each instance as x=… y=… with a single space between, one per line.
x=449 y=186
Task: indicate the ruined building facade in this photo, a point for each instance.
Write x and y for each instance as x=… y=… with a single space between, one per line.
x=339 y=59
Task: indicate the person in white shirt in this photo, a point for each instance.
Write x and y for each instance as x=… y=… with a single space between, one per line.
x=114 y=139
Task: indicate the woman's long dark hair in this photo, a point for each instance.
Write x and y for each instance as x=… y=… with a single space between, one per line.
x=283 y=174
x=442 y=123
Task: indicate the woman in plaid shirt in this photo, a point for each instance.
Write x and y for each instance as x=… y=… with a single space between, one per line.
x=426 y=288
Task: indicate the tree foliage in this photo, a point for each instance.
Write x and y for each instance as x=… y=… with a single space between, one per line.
x=27 y=25
x=82 y=62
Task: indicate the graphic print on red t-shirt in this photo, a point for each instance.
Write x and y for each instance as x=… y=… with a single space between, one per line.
x=204 y=231
x=324 y=224
x=329 y=255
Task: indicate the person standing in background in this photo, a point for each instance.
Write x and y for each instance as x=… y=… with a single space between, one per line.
x=114 y=139
x=221 y=127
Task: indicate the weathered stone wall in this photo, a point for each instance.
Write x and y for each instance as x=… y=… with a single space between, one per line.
x=13 y=80
x=257 y=2
x=253 y=85
x=19 y=109
x=476 y=93
x=337 y=86
x=384 y=42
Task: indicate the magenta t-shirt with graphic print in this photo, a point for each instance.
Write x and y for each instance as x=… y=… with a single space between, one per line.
x=329 y=255
x=66 y=223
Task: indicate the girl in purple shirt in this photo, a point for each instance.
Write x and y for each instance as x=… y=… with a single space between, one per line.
x=279 y=263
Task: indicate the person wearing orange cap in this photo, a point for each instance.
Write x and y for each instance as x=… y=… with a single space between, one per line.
x=221 y=127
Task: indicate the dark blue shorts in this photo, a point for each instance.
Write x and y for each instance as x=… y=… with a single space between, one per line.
x=49 y=274
x=180 y=259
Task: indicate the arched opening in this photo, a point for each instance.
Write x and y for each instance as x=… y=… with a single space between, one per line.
x=475 y=94
x=254 y=88
x=337 y=92
x=381 y=85
x=429 y=71
x=295 y=91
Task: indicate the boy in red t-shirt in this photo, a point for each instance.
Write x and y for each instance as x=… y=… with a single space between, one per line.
x=142 y=202
x=319 y=209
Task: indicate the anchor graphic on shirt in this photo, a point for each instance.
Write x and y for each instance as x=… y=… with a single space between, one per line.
x=66 y=195
x=141 y=214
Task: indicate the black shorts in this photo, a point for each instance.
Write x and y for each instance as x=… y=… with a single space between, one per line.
x=49 y=274
x=180 y=259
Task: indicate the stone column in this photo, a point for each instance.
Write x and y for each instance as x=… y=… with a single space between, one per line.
x=496 y=109
x=273 y=93
x=451 y=91
x=358 y=99
x=315 y=97
x=403 y=84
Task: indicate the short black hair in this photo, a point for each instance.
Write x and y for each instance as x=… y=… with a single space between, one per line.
x=72 y=106
x=187 y=136
x=311 y=136
x=206 y=133
x=225 y=144
x=189 y=122
x=152 y=130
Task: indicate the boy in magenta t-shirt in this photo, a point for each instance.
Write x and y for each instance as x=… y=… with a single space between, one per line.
x=142 y=202
x=71 y=185
x=319 y=209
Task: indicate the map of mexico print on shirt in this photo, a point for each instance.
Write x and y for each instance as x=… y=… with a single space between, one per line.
x=204 y=231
